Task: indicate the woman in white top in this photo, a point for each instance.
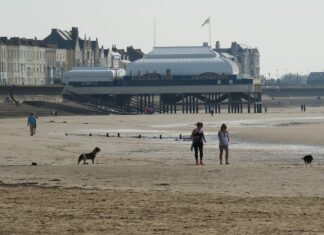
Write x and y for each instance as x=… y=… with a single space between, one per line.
x=223 y=143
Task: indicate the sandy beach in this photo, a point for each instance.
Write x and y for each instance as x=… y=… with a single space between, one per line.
x=150 y=185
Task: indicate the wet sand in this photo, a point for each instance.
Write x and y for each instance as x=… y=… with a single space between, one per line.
x=151 y=186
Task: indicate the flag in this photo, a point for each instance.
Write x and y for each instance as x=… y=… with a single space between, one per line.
x=206 y=22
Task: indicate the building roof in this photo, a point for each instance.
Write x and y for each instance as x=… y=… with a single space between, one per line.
x=67 y=39
x=237 y=47
x=134 y=54
x=245 y=46
x=106 y=52
x=227 y=55
x=62 y=39
x=15 y=41
x=122 y=52
x=88 y=74
x=316 y=76
x=180 y=52
x=183 y=61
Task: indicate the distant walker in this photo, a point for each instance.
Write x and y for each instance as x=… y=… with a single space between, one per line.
x=31 y=122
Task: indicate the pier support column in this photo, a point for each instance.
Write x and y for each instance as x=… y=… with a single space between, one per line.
x=141 y=104
x=160 y=104
x=193 y=104
x=206 y=104
x=197 y=105
x=229 y=103
x=241 y=106
x=249 y=103
x=183 y=103
x=187 y=105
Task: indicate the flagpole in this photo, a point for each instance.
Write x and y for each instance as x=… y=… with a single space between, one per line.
x=210 y=32
x=154 y=33
x=207 y=21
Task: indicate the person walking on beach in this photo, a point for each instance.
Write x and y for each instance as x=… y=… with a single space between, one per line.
x=212 y=111
x=223 y=143
x=198 y=138
x=31 y=122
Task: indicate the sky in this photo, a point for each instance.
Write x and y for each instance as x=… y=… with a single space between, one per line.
x=288 y=33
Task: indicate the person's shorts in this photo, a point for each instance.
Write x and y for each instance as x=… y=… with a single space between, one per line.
x=197 y=144
x=33 y=125
x=223 y=147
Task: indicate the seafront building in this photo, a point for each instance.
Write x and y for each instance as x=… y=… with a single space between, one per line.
x=246 y=57
x=40 y=62
x=22 y=61
x=316 y=78
x=119 y=58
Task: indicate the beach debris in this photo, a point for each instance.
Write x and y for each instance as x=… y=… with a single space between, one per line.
x=34 y=164
x=107 y=134
x=55 y=180
x=160 y=136
x=118 y=135
x=66 y=134
x=163 y=184
x=180 y=136
x=139 y=136
x=90 y=134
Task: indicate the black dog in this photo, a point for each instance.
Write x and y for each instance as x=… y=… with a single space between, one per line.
x=92 y=155
x=308 y=159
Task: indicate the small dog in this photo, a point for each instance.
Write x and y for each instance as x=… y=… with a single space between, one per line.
x=308 y=159
x=92 y=156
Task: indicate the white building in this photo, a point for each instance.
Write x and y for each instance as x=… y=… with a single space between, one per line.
x=246 y=57
x=179 y=61
x=22 y=62
x=56 y=64
x=92 y=76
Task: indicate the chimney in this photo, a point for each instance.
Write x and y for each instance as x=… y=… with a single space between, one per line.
x=205 y=44
x=217 y=45
x=75 y=33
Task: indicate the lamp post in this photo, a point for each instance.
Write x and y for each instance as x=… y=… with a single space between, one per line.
x=28 y=76
x=22 y=73
x=1 y=67
x=1 y=80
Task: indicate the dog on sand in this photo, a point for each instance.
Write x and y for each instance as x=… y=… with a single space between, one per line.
x=308 y=159
x=92 y=156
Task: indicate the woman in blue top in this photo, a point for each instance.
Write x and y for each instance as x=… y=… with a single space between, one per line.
x=31 y=122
